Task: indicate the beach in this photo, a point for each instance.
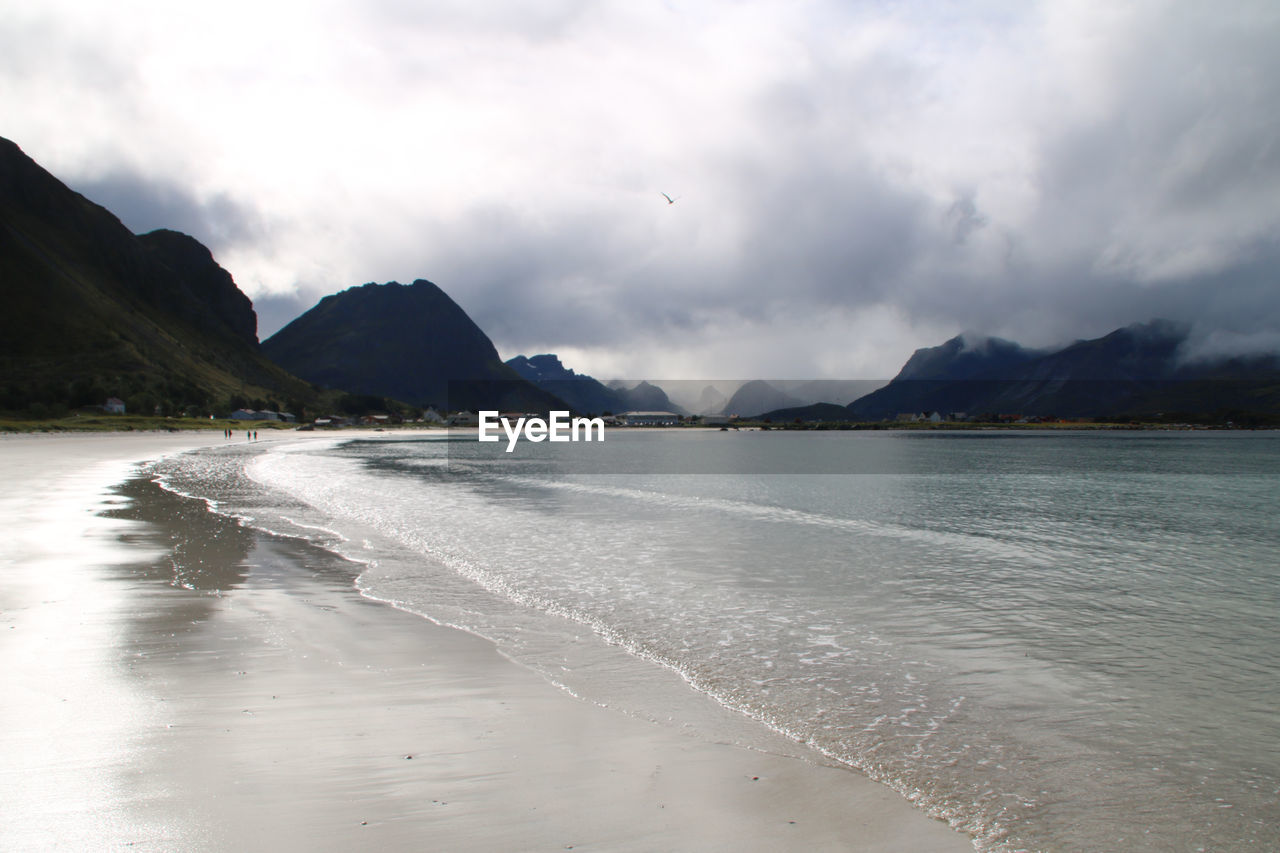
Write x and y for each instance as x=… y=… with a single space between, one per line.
x=177 y=681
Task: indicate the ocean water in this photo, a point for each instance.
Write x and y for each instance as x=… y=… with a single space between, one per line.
x=1054 y=641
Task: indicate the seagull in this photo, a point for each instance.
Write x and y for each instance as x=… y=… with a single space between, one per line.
x=669 y=199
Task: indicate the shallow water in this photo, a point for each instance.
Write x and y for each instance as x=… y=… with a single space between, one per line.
x=1059 y=641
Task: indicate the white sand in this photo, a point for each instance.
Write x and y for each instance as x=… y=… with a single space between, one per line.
x=280 y=713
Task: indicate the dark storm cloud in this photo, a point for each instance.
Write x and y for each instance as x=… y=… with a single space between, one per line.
x=146 y=203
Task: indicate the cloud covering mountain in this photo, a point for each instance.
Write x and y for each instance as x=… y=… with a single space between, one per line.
x=854 y=180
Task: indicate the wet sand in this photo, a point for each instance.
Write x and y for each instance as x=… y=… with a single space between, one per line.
x=178 y=682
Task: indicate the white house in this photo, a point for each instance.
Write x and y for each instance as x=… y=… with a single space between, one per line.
x=114 y=406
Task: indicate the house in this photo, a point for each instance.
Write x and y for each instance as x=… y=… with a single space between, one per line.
x=246 y=415
x=114 y=406
x=431 y=416
x=650 y=418
x=464 y=419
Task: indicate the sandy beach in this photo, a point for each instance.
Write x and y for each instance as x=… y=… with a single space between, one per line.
x=175 y=681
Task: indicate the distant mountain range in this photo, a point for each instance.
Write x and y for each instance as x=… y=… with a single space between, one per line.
x=582 y=393
x=682 y=396
x=1137 y=370
x=92 y=310
x=1140 y=370
x=586 y=395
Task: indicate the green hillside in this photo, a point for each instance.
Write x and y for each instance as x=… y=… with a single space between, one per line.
x=92 y=310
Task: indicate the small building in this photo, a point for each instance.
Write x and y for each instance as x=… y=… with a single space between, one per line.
x=650 y=418
x=113 y=406
x=464 y=419
x=247 y=415
x=431 y=416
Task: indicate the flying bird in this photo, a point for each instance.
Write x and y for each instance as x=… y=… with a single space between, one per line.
x=669 y=199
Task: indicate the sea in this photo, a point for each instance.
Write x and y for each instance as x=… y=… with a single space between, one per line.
x=1053 y=640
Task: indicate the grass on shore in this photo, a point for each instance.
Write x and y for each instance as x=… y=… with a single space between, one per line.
x=131 y=423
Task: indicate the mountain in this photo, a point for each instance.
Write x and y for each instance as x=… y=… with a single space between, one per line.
x=828 y=412
x=587 y=395
x=644 y=396
x=410 y=342
x=584 y=394
x=701 y=397
x=967 y=357
x=710 y=401
x=756 y=397
x=1137 y=370
x=842 y=391
x=951 y=377
x=93 y=310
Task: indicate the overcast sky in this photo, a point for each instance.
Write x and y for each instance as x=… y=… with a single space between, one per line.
x=853 y=179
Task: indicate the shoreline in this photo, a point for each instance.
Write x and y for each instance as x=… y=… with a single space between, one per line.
x=186 y=683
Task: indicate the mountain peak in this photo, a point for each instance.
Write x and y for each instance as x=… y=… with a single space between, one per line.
x=408 y=342
x=966 y=356
x=544 y=367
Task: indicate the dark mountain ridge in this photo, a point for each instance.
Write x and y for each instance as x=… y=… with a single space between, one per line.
x=94 y=310
x=410 y=342
x=584 y=394
x=1137 y=370
x=587 y=395
x=967 y=357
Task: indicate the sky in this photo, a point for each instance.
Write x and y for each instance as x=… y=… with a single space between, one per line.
x=852 y=180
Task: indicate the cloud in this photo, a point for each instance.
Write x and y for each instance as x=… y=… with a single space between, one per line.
x=855 y=180
x=145 y=204
x=1216 y=344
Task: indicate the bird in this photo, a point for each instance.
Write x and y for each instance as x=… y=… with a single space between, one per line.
x=669 y=199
